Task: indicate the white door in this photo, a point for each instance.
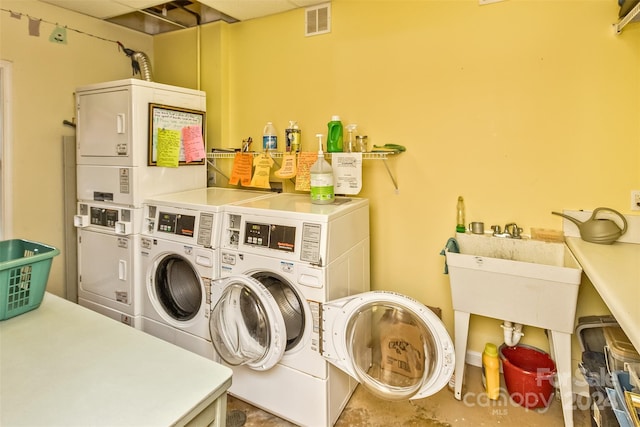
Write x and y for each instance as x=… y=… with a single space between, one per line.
x=105 y=269
x=104 y=126
x=6 y=141
x=393 y=345
x=246 y=324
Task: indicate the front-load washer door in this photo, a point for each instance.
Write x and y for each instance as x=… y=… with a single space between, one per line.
x=177 y=288
x=246 y=324
x=393 y=345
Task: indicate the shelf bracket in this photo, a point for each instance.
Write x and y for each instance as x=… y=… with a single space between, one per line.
x=632 y=16
x=393 y=179
x=216 y=168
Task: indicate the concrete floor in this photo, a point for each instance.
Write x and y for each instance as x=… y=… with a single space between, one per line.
x=438 y=410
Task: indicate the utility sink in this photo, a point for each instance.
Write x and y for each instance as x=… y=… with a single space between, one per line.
x=521 y=280
x=524 y=281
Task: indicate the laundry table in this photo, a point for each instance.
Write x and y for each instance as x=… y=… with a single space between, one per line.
x=614 y=271
x=65 y=365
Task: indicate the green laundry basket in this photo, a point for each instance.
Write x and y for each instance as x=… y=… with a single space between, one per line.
x=24 y=271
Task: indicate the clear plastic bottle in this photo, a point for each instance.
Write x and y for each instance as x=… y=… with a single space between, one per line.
x=460 y=222
x=321 y=178
x=491 y=371
x=292 y=137
x=361 y=143
x=269 y=137
x=334 y=135
x=351 y=144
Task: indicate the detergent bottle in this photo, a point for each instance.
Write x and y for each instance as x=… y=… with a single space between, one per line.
x=491 y=371
x=334 y=135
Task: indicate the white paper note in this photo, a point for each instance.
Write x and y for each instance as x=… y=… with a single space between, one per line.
x=347 y=173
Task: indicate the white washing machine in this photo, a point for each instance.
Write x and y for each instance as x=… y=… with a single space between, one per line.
x=178 y=259
x=107 y=267
x=293 y=316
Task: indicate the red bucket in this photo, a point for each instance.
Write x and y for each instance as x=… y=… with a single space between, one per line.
x=529 y=375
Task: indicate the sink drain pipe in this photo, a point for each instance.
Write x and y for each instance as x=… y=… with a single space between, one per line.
x=512 y=333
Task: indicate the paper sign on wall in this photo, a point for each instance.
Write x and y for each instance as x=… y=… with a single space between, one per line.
x=306 y=159
x=241 y=171
x=190 y=126
x=168 y=148
x=288 y=169
x=347 y=173
x=193 y=143
x=262 y=170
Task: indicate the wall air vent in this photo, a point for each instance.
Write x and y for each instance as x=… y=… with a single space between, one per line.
x=318 y=19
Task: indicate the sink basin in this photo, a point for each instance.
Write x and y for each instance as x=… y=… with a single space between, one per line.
x=521 y=280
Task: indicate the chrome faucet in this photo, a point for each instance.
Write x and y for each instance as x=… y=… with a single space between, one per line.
x=511 y=231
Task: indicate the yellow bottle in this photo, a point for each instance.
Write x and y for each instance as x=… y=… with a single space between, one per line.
x=491 y=371
x=460 y=222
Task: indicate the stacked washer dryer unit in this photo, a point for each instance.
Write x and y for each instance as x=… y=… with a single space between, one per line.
x=178 y=259
x=293 y=317
x=113 y=179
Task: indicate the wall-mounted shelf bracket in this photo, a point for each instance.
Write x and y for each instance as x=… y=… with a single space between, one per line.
x=632 y=16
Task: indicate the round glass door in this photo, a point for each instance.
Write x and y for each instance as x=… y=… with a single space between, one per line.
x=246 y=325
x=396 y=347
x=178 y=288
x=289 y=304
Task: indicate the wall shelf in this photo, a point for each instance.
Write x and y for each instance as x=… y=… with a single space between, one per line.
x=384 y=156
x=279 y=154
x=632 y=16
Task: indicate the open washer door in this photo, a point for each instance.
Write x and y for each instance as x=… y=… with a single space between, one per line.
x=246 y=325
x=393 y=345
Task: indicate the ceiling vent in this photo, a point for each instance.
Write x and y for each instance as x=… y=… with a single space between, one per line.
x=318 y=19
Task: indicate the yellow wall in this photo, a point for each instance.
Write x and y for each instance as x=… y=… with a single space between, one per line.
x=45 y=75
x=522 y=107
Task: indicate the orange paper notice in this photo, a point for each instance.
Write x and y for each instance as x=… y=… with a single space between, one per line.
x=193 y=143
x=263 y=165
x=306 y=159
x=288 y=169
x=241 y=171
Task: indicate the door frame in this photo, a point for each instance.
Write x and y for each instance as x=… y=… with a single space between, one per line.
x=6 y=142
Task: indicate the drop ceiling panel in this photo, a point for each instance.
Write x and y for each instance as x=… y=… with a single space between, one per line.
x=139 y=4
x=121 y=11
x=249 y=9
x=97 y=8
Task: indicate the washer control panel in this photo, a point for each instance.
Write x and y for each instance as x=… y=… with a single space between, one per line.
x=181 y=225
x=272 y=236
x=290 y=240
x=172 y=223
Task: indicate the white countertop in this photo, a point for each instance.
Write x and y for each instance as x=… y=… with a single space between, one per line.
x=614 y=271
x=65 y=365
